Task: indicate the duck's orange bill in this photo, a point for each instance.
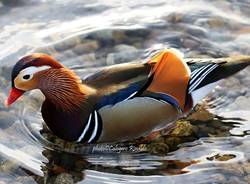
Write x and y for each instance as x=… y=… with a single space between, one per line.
x=13 y=96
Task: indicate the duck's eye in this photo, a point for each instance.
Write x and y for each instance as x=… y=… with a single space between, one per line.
x=26 y=77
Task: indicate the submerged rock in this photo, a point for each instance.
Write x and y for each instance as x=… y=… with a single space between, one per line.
x=183 y=128
x=158 y=148
x=219 y=157
x=64 y=178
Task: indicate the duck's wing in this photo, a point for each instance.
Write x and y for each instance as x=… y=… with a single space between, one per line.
x=117 y=74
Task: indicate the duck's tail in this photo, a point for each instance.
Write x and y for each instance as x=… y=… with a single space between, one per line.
x=205 y=73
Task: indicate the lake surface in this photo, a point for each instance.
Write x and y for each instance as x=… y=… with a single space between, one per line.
x=86 y=36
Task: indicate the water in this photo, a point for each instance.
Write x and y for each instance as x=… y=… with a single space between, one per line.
x=88 y=36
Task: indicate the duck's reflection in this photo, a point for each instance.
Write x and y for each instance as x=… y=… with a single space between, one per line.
x=71 y=167
x=63 y=167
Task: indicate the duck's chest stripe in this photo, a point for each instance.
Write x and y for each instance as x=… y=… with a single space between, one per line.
x=92 y=129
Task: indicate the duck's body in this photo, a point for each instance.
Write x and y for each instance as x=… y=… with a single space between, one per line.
x=121 y=102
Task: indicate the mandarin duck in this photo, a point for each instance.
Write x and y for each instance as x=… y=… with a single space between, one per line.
x=121 y=102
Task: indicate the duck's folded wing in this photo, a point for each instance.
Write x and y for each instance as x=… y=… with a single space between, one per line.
x=118 y=74
x=119 y=82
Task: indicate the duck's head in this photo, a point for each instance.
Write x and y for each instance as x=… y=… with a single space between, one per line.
x=27 y=72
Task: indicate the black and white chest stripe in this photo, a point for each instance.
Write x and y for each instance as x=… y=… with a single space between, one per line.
x=92 y=129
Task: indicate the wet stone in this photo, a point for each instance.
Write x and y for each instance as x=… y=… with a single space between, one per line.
x=66 y=54
x=183 y=128
x=47 y=50
x=172 y=39
x=119 y=36
x=64 y=178
x=196 y=31
x=219 y=157
x=65 y=44
x=137 y=33
x=88 y=46
x=200 y=113
x=158 y=148
x=104 y=37
x=88 y=57
x=175 y=17
x=172 y=142
x=128 y=55
x=125 y=48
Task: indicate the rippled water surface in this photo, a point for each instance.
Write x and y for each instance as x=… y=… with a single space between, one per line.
x=86 y=36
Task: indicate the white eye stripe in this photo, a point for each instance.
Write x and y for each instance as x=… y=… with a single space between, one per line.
x=33 y=69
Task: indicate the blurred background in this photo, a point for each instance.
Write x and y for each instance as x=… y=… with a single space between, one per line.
x=209 y=146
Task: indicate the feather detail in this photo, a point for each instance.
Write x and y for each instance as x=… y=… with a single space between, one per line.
x=64 y=89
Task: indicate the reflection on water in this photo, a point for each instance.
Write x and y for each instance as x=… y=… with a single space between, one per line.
x=211 y=145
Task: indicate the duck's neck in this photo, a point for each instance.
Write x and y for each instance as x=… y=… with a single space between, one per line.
x=64 y=89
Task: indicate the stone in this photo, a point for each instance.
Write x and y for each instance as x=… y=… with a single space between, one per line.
x=172 y=142
x=190 y=43
x=103 y=37
x=223 y=157
x=91 y=57
x=110 y=59
x=158 y=148
x=200 y=113
x=64 y=178
x=125 y=48
x=183 y=128
x=66 y=44
x=118 y=36
x=88 y=46
x=196 y=31
x=123 y=53
x=141 y=32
